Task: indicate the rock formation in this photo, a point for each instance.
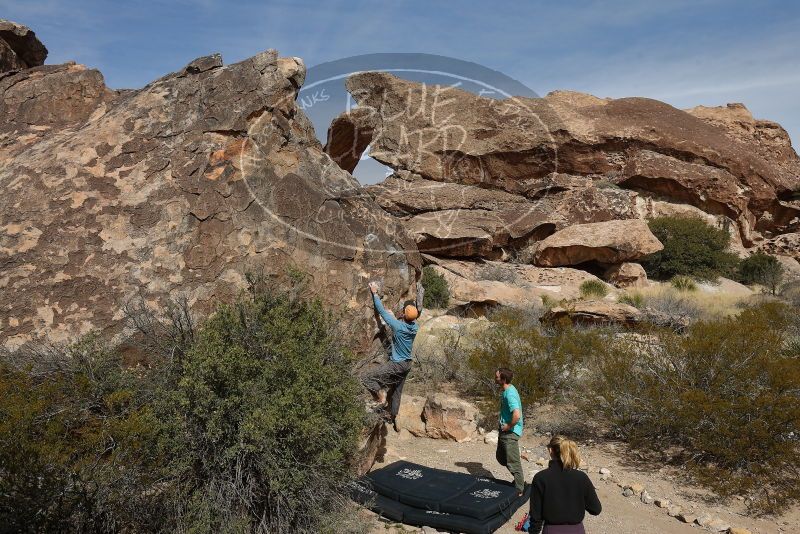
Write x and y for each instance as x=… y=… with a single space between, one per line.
x=439 y=416
x=626 y=275
x=608 y=242
x=19 y=47
x=595 y=312
x=564 y=180
x=743 y=171
x=180 y=188
x=477 y=287
x=457 y=220
x=177 y=189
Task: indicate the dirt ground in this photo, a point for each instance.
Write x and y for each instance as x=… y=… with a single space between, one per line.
x=621 y=515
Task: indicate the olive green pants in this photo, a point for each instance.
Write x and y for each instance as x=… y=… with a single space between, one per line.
x=508 y=456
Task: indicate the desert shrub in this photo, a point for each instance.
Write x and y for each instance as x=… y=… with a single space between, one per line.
x=593 y=289
x=634 y=299
x=265 y=418
x=605 y=184
x=441 y=359
x=791 y=293
x=691 y=248
x=162 y=333
x=248 y=424
x=671 y=309
x=542 y=361
x=761 y=269
x=498 y=273
x=683 y=283
x=77 y=442
x=725 y=394
x=437 y=294
x=548 y=302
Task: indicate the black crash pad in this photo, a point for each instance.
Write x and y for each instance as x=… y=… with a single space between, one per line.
x=485 y=498
x=463 y=523
x=362 y=493
x=423 y=496
x=419 y=486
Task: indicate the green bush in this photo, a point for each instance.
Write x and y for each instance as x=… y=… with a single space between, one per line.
x=437 y=294
x=725 y=395
x=634 y=299
x=77 y=442
x=691 y=248
x=593 y=289
x=542 y=363
x=548 y=302
x=250 y=423
x=761 y=269
x=265 y=419
x=683 y=283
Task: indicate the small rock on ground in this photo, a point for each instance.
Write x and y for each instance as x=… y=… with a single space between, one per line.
x=718 y=525
x=662 y=503
x=674 y=511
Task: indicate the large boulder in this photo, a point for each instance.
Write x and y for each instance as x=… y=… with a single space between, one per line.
x=177 y=189
x=769 y=138
x=19 y=47
x=459 y=233
x=457 y=220
x=606 y=242
x=409 y=415
x=445 y=134
x=477 y=287
x=626 y=275
x=449 y=417
x=594 y=312
x=438 y=416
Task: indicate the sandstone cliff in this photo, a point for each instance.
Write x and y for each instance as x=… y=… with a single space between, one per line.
x=561 y=159
x=183 y=186
x=177 y=189
x=483 y=179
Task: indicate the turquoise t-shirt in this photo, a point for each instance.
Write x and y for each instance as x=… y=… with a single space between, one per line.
x=510 y=401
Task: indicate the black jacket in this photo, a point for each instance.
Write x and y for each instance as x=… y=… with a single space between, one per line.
x=561 y=497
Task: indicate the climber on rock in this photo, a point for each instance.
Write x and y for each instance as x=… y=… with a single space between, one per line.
x=388 y=378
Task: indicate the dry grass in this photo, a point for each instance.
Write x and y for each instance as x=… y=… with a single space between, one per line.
x=708 y=304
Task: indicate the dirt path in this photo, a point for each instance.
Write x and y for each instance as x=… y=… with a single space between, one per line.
x=621 y=515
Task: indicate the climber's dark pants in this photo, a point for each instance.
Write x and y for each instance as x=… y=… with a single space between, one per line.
x=390 y=376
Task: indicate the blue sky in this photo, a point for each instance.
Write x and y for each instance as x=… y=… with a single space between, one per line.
x=683 y=52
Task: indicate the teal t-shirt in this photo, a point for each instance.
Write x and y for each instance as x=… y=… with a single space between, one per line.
x=403 y=333
x=510 y=401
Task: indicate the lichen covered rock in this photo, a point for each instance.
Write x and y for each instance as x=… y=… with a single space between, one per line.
x=176 y=189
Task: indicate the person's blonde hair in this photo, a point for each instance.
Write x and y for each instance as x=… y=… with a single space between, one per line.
x=566 y=450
